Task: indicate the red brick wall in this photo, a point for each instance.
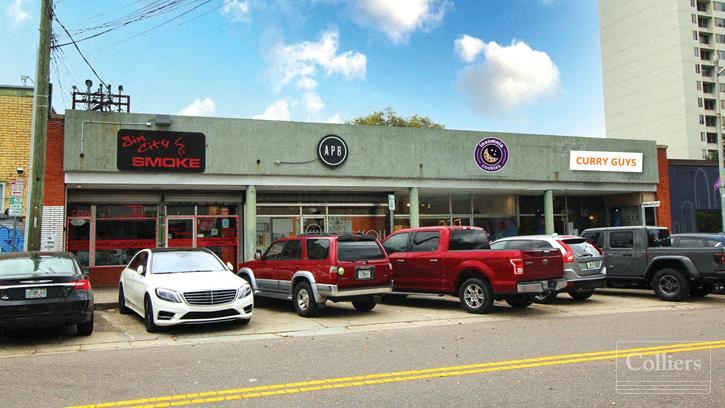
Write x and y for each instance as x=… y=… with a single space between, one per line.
x=664 y=211
x=54 y=177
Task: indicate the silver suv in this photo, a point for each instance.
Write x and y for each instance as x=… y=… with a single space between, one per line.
x=584 y=267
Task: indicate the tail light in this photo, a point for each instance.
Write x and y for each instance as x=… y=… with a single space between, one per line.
x=568 y=255
x=518 y=266
x=83 y=285
x=719 y=258
x=337 y=270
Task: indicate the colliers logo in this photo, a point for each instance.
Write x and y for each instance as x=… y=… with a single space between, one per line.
x=491 y=154
x=332 y=150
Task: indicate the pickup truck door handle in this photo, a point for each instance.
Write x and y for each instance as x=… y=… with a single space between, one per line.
x=529 y=263
x=433 y=260
x=629 y=255
x=400 y=260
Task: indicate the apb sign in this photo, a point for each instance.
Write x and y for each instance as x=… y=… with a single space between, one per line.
x=332 y=150
x=148 y=150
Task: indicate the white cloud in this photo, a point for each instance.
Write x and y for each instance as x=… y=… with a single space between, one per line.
x=468 y=47
x=200 y=107
x=277 y=111
x=307 y=84
x=509 y=77
x=302 y=60
x=313 y=102
x=16 y=12
x=399 y=19
x=237 y=10
x=336 y=118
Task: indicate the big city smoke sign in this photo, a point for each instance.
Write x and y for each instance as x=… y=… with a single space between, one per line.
x=332 y=150
x=171 y=152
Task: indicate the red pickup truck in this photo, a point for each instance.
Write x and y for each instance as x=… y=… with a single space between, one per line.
x=458 y=261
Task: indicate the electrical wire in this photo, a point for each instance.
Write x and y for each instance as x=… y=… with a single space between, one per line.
x=154 y=9
x=78 y=49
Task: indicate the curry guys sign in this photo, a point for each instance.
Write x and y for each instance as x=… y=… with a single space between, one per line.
x=620 y=162
x=148 y=150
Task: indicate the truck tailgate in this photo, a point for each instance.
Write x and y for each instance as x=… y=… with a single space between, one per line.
x=542 y=264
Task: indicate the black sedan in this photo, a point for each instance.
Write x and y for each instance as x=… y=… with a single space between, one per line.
x=39 y=289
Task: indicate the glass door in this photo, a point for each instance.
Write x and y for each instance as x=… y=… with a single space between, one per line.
x=180 y=232
x=313 y=225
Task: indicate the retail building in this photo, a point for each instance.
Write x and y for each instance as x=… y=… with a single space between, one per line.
x=234 y=185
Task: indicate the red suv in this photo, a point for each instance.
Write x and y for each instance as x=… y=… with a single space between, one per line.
x=313 y=269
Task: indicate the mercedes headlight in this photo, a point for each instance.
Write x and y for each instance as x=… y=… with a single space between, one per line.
x=168 y=295
x=244 y=291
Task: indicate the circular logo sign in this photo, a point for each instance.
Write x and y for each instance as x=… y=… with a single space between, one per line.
x=491 y=154
x=332 y=150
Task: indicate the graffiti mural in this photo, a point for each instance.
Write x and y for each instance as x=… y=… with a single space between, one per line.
x=694 y=196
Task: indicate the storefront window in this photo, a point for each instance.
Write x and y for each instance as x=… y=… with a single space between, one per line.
x=461 y=203
x=401 y=223
x=531 y=205
x=219 y=234
x=125 y=211
x=497 y=227
x=264 y=210
x=434 y=204
x=358 y=210
x=79 y=239
x=494 y=204
x=118 y=240
x=217 y=209
x=402 y=204
x=270 y=229
x=375 y=226
x=180 y=210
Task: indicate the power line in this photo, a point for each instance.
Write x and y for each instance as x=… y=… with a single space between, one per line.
x=54 y=17
x=154 y=9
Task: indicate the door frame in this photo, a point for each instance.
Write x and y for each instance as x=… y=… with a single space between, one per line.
x=191 y=218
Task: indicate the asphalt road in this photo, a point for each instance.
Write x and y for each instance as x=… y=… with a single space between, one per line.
x=454 y=364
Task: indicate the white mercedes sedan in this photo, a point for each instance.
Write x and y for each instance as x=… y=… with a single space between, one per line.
x=172 y=286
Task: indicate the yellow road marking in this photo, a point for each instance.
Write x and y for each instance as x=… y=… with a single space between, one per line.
x=400 y=376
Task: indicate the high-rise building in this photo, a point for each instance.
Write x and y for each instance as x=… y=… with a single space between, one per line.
x=659 y=72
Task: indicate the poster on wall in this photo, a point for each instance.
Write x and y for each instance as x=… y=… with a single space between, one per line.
x=155 y=151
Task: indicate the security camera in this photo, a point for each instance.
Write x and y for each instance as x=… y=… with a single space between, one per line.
x=20 y=171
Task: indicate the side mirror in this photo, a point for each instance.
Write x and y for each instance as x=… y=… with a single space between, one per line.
x=258 y=255
x=140 y=270
x=230 y=266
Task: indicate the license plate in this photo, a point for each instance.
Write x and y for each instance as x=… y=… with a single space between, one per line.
x=592 y=265
x=36 y=293
x=364 y=272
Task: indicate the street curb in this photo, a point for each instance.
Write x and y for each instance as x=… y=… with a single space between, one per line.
x=105 y=306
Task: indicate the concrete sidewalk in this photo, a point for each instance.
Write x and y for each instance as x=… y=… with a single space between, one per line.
x=105 y=298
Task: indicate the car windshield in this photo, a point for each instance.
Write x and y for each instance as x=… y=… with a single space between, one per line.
x=581 y=247
x=359 y=250
x=37 y=265
x=184 y=261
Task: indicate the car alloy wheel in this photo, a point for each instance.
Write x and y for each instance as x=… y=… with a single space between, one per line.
x=476 y=296
x=304 y=300
x=473 y=296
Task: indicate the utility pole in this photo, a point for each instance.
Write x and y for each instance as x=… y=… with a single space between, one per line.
x=36 y=176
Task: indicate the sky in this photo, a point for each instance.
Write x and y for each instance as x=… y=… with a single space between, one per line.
x=523 y=66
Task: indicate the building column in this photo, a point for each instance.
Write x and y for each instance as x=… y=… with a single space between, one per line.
x=414 y=209
x=250 y=223
x=548 y=212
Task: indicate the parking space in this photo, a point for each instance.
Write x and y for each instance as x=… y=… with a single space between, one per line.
x=275 y=319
